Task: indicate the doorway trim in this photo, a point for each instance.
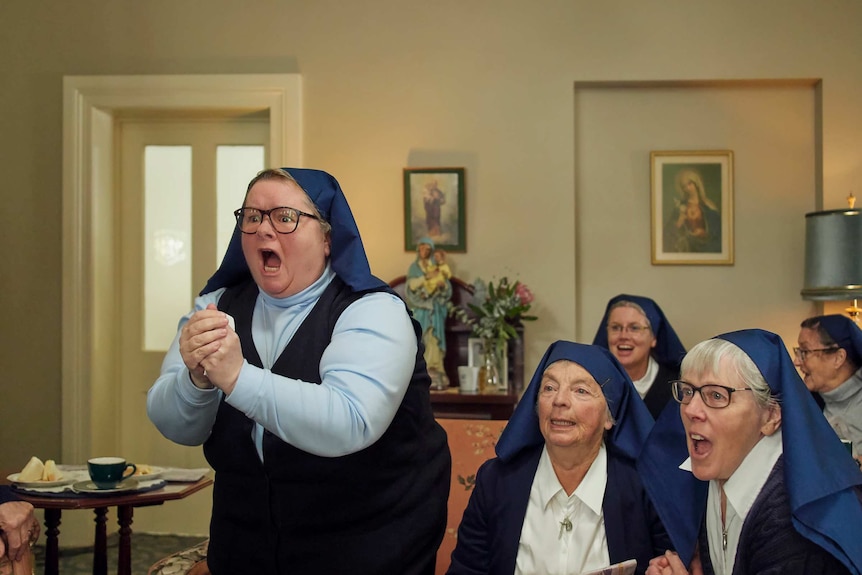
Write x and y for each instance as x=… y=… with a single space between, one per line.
x=91 y=105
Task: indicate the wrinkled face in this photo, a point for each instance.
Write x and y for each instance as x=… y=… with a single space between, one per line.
x=818 y=369
x=632 y=350
x=284 y=264
x=719 y=439
x=571 y=407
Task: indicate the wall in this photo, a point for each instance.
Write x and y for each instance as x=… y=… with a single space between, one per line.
x=390 y=83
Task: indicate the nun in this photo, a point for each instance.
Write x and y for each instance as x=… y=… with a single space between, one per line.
x=302 y=376
x=563 y=496
x=746 y=474
x=636 y=331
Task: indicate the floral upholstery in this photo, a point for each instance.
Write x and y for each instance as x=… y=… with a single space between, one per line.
x=192 y=561
x=471 y=442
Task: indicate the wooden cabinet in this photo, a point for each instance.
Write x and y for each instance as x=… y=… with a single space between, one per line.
x=451 y=404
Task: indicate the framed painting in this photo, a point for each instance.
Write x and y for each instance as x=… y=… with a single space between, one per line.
x=692 y=207
x=434 y=208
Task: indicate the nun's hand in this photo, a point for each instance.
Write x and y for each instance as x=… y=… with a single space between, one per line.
x=201 y=336
x=222 y=366
x=670 y=564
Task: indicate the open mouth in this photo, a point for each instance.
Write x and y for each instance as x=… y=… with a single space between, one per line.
x=562 y=422
x=271 y=261
x=699 y=444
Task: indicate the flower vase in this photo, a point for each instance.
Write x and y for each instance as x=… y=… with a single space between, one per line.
x=491 y=376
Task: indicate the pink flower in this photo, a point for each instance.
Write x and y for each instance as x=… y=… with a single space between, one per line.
x=524 y=294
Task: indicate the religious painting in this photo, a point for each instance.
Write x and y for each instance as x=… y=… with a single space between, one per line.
x=692 y=207
x=434 y=208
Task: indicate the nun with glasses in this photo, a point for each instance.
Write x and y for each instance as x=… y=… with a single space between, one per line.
x=302 y=376
x=829 y=357
x=636 y=331
x=746 y=474
x=563 y=496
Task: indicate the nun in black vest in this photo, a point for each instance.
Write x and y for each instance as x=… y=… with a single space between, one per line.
x=302 y=375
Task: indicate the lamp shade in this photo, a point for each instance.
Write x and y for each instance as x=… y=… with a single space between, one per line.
x=833 y=255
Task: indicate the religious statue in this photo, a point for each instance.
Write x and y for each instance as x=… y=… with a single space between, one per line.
x=428 y=291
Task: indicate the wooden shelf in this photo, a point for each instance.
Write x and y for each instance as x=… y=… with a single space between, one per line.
x=450 y=404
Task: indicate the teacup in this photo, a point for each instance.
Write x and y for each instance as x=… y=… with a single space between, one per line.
x=108 y=472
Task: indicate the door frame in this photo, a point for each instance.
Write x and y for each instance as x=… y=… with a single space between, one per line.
x=90 y=395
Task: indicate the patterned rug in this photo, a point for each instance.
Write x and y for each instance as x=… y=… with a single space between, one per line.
x=146 y=550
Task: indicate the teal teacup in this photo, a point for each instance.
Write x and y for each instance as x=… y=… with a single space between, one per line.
x=108 y=472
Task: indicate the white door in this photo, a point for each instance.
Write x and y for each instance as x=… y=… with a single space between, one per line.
x=179 y=181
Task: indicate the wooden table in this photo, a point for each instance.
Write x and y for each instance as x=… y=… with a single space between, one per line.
x=125 y=504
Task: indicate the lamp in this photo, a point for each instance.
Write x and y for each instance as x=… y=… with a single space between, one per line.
x=833 y=256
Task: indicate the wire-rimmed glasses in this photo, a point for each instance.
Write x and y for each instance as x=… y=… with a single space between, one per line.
x=634 y=329
x=801 y=353
x=283 y=219
x=715 y=396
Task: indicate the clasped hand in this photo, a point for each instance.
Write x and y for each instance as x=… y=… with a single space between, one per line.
x=670 y=564
x=18 y=529
x=211 y=350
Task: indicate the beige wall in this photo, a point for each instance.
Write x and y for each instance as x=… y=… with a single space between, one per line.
x=484 y=84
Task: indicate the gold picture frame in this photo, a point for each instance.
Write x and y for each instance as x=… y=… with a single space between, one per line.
x=691 y=195
x=434 y=207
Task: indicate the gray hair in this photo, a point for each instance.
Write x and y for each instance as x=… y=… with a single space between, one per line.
x=633 y=305
x=706 y=357
x=608 y=414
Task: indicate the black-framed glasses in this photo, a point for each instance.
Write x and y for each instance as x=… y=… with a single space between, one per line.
x=715 y=396
x=633 y=328
x=801 y=353
x=284 y=219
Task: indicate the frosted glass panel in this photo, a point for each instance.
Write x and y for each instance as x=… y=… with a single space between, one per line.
x=235 y=167
x=167 y=240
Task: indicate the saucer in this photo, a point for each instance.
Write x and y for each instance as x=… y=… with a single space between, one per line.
x=124 y=486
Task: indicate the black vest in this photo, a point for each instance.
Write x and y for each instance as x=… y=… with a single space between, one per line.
x=377 y=511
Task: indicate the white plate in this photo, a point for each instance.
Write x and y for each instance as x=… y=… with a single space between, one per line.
x=89 y=487
x=155 y=473
x=14 y=479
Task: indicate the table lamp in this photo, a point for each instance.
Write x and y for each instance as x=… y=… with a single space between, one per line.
x=833 y=256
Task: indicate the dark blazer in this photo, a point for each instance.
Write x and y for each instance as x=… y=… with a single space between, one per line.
x=659 y=392
x=491 y=526
x=769 y=543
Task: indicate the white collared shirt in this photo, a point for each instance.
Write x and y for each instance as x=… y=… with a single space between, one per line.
x=741 y=489
x=546 y=546
x=644 y=384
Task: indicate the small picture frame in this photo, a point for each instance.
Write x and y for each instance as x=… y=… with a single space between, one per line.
x=476 y=353
x=434 y=208
x=692 y=207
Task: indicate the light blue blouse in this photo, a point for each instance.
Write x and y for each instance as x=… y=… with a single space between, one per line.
x=365 y=371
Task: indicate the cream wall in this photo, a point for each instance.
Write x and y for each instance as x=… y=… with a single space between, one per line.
x=484 y=84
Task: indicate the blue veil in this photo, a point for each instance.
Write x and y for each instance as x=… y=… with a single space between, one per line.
x=821 y=480
x=633 y=420
x=845 y=333
x=347 y=254
x=668 y=348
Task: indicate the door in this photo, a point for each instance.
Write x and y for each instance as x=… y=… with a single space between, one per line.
x=179 y=180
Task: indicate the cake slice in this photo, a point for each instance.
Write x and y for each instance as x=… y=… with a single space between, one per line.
x=32 y=471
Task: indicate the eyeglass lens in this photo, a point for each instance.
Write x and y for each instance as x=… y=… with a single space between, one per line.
x=712 y=395
x=284 y=220
x=634 y=329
